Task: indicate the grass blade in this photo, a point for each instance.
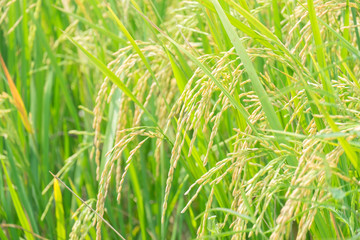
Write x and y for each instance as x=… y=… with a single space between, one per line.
x=17 y=204
x=207 y=71
x=18 y=102
x=240 y=50
x=59 y=212
x=87 y=205
x=2 y=234
x=319 y=46
x=107 y=72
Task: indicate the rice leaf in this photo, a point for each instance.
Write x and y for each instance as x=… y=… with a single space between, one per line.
x=107 y=72
x=18 y=102
x=240 y=50
x=59 y=212
x=24 y=221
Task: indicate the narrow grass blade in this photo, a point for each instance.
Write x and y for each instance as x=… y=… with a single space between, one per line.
x=18 y=102
x=59 y=212
x=251 y=19
x=239 y=25
x=319 y=46
x=135 y=46
x=107 y=72
x=259 y=89
x=316 y=34
x=88 y=206
x=349 y=151
x=234 y=213
x=140 y=201
x=17 y=204
x=343 y=41
x=207 y=71
x=346 y=33
x=94 y=26
x=59 y=73
x=277 y=18
x=178 y=73
x=354 y=12
x=262 y=29
x=46 y=123
x=2 y=234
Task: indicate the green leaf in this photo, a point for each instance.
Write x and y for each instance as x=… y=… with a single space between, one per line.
x=59 y=212
x=207 y=71
x=232 y=212
x=107 y=72
x=240 y=50
x=2 y=234
x=24 y=222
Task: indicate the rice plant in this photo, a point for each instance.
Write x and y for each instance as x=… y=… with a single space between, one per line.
x=155 y=119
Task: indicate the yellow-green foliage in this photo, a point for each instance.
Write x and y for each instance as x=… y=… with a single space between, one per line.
x=176 y=119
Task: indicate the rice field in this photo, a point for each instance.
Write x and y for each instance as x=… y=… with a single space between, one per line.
x=168 y=119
